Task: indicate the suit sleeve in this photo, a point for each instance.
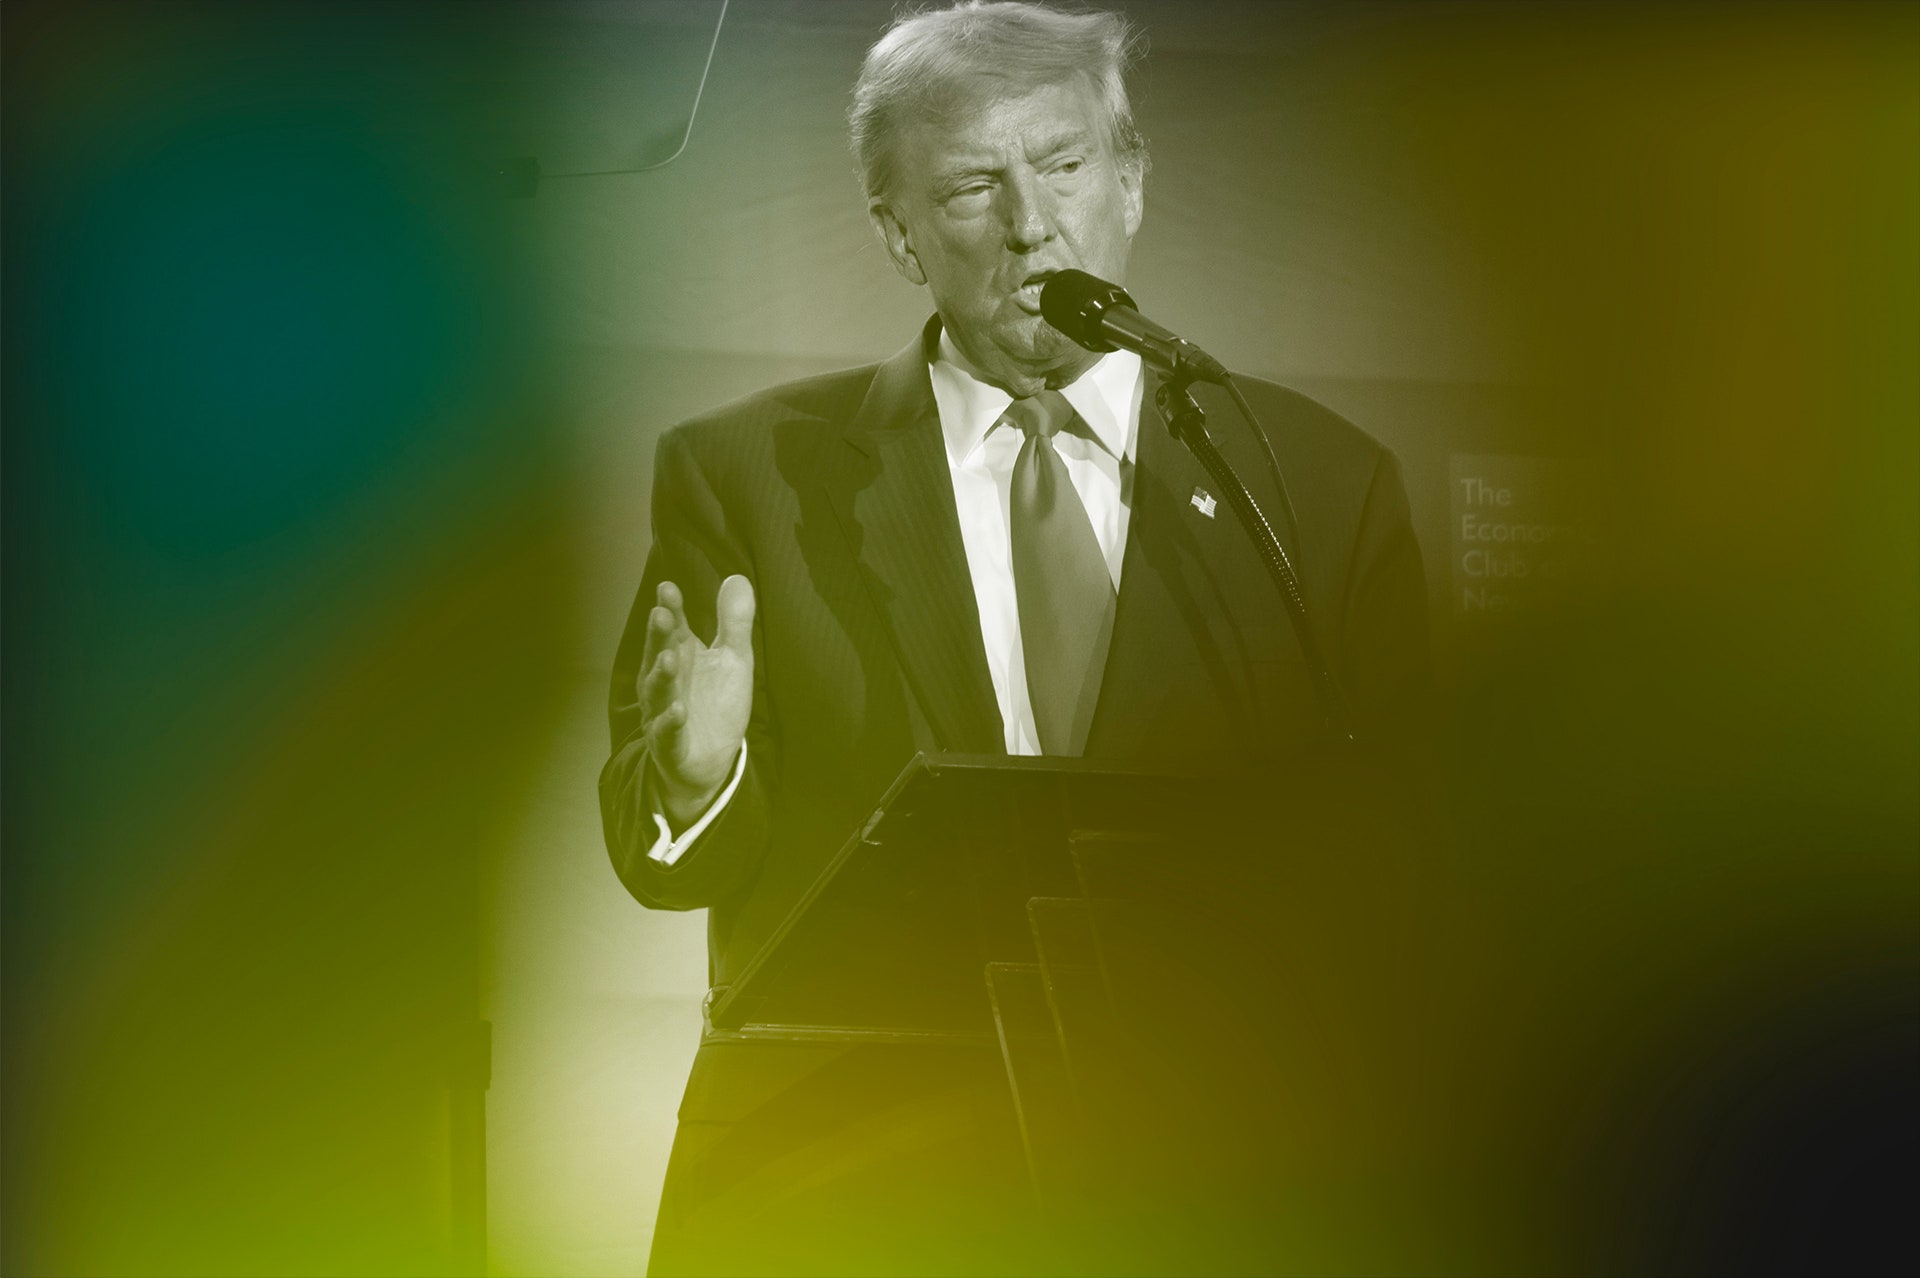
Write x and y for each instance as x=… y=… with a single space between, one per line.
x=1384 y=640
x=697 y=546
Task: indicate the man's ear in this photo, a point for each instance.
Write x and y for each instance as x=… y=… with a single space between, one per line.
x=893 y=233
x=1133 y=185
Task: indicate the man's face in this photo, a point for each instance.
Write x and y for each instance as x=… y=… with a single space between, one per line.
x=987 y=202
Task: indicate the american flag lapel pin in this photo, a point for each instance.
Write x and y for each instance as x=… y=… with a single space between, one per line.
x=1203 y=502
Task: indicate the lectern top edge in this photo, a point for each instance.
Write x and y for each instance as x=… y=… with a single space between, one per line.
x=732 y=1006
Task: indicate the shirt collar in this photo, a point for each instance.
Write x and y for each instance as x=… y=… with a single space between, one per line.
x=1106 y=396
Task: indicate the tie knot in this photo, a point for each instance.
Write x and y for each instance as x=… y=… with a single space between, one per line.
x=1043 y=414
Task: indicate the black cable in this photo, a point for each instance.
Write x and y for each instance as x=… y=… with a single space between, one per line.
x=1188 y=424
x=1266 y=445
x=1274 y=556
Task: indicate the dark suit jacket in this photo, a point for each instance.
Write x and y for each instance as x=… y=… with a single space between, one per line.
x=832 y=496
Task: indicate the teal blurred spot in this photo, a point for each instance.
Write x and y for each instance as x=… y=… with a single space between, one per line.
x=260 y=324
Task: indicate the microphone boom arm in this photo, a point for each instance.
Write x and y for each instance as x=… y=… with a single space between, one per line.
x=1188 y=424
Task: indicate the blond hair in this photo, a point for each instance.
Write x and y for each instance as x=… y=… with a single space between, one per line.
x=924 y=57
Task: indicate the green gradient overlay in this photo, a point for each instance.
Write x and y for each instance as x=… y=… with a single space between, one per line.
x=325 y=497
x=283 y=589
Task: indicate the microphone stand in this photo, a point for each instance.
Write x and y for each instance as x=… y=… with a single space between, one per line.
x=1188 y=424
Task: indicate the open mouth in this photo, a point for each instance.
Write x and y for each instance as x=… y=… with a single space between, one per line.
x=1028 y=294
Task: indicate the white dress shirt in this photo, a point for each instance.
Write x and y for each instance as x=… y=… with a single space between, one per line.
x=981 y=449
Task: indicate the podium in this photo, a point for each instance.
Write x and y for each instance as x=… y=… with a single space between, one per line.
x=1113 y=933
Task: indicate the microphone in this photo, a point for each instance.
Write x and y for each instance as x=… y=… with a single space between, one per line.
x=1103 y=317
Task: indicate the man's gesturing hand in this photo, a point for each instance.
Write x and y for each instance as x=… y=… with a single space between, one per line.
x=695 y=700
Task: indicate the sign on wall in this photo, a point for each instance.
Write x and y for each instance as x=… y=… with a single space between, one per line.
x=1523 y=538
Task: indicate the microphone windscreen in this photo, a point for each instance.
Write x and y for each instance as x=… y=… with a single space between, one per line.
x=1073 y=302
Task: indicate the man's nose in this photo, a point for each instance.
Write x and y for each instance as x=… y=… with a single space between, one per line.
x=1030 y=221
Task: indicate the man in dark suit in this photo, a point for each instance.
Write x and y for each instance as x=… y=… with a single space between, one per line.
x=987 y=543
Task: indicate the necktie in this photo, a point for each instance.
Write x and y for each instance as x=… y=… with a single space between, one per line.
x=1059 y=578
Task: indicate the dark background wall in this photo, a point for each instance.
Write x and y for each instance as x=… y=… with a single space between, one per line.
x=326 y=492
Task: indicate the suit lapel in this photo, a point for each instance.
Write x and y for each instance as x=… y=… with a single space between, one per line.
x=893 y=497
x=1180 y=646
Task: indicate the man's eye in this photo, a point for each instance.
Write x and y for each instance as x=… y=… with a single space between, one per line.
x=1069 y=167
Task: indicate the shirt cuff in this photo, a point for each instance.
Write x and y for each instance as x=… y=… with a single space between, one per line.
x=666 y=849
